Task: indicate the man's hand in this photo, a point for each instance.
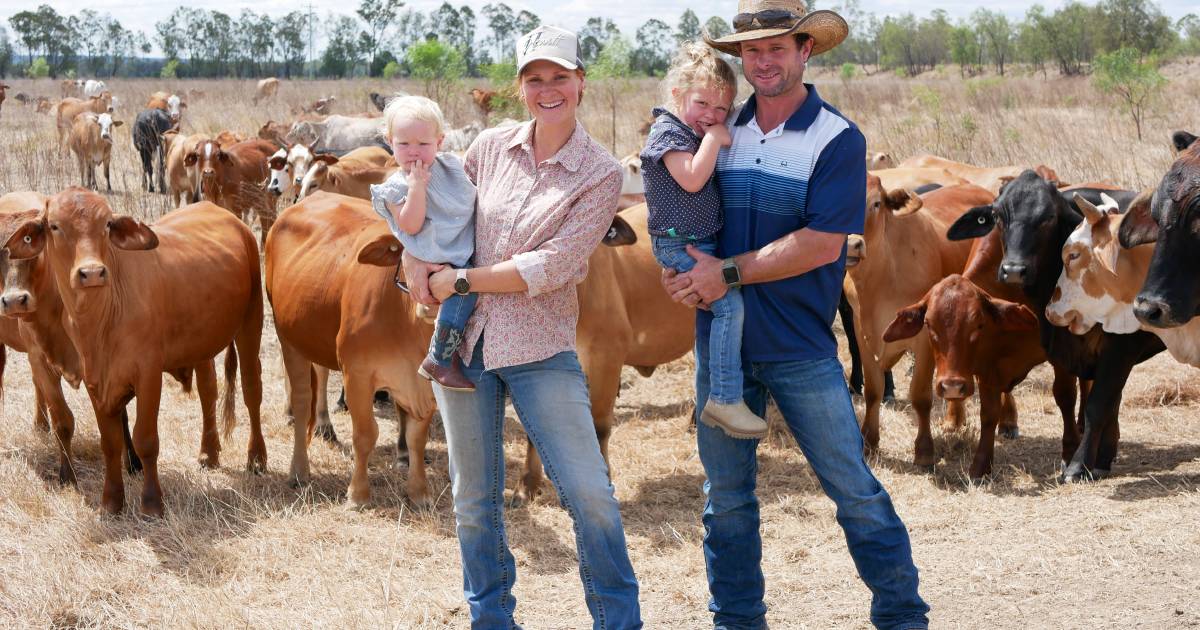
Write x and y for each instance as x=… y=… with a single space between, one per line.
x=416 y=274
x=706 y=277
x=441 y=284
x=679 y=287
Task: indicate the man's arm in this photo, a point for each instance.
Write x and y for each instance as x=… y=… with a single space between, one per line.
x=792 y=255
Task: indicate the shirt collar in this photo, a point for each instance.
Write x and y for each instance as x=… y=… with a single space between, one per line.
x=570 y=155
x=800 y=120
x=660 y=111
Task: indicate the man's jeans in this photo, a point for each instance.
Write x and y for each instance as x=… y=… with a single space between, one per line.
x=725 y=338
x=815 y=403
x=551 y=400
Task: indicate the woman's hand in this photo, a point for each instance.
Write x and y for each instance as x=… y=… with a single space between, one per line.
x=441 y=284
x=416 y=274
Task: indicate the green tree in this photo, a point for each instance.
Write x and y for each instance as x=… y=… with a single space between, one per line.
x=342 y=53
x=717 y=27
x=688 y=29
x=39 y=69
x=6 y=53
x=169 y=70
x=997 y=35
x=290 y=41
x=438 y=66
x=503 y=24
x=653 y=50
x=965 y=49
x=379 y=16
x=612 y=69
x=596 y=34
x=1133 y=82
x=1138 y=24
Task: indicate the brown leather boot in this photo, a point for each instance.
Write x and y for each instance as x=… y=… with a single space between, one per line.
x=451 y=377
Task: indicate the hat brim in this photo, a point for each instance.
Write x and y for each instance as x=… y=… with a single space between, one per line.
x=827 y=29
x=569 y=65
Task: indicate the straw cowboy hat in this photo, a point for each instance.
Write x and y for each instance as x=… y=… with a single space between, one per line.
x=760 y=19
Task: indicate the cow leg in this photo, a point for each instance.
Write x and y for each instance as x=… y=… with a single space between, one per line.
x=531 y=479
x=41 y=420
x=147 y=172
x=920 y=392
x=360 y=395
x=111 y=425
x=145 y=442
x=107 y=179
x=990 y=413
x=210 y=440
x=872 y=399
x=1064 y=397
x=132 y=461
x=248 y=344
x=1008 y=417
x=416 y=435
x=1085 y=388
x=856 y=369
x=48 y=389
x=324 y=429
x=301 y=383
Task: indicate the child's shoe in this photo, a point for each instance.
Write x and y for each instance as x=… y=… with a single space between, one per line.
x=736 y=420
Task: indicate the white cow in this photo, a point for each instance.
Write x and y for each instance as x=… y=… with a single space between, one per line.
x=93 y=88
x=337 y=134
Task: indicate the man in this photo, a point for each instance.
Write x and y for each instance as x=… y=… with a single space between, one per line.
x=793 y=186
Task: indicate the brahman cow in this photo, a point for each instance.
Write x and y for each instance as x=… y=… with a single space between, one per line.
x=91 y=141
x=183 y=181
x=337 y=133
x=989 y=178
x=288 y=166
x=879 y=161
x=351 y=175
x=1034 y=221
x=131 y=296
x=148 y=130
x=232 y=177
x=265 y=89
x=93 y=88
x=67 y=109
x=914 y=178
x=902 y=253
x=633 y=189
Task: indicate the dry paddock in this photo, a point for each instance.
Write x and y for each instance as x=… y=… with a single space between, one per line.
x=1020 y=551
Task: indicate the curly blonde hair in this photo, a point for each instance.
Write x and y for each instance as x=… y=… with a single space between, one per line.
x=695 y=65
x=412 y=108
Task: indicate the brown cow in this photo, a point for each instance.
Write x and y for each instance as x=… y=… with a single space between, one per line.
x=3 y=87
x=274 y=132
x=989 y=178
x=335 y=306
x=131 y=294
x=904 y=252
x=233 y=177
x=265 y=89
x=483 y=101
x=169 y=103
x=68 y=108
x=633 y=191
x=351 y=175
x=182 y=180
x=913 y=178
x=43 y=105
x=71 y=88
x=91 y=141
x=878 y=161
x=229 y=138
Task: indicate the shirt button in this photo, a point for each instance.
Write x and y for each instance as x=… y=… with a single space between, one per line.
x=763 y=141
x=758 y=160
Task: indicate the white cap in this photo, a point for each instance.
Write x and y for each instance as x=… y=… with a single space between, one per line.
x=550 y=43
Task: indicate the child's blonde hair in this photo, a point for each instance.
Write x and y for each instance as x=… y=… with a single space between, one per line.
x=697 y=65
x=413 y=108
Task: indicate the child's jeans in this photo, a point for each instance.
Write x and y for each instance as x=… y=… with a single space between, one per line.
x=451 y=324
x=725 y=340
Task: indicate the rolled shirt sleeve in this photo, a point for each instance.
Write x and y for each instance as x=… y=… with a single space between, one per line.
x=563 y=258
x=837 y=192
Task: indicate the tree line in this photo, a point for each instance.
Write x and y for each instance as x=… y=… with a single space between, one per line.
x=383 y=38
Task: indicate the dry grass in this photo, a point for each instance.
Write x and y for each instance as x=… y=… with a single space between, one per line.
x=1019 y=552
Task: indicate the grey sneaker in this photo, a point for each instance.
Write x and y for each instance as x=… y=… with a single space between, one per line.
x=736 y=420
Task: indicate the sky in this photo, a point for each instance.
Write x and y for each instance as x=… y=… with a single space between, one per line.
x=141 y=15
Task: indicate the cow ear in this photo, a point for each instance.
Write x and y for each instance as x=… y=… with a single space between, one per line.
x=28 y=236
x=1139 y=226
x=327 y=158
x=908 y=323
x=277 y=163
x=383 y=251
x=1014 y=317
x=903 y=202
x=1182 y=140
x=118 y=123
x=130 y=234
x=619 y=233
x=1091 y=213
x=976 y=222
x=223 y=156
x=191 y=159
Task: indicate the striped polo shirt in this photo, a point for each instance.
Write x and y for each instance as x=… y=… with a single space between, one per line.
x=807 y=173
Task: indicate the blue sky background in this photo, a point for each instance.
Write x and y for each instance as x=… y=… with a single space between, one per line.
x=566 y=13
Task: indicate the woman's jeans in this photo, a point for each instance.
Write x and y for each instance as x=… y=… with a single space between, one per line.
x=725 y=338
x=551 y=401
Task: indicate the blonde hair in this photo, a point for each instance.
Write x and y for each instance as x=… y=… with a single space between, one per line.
x=413 y=108
x=697 y=65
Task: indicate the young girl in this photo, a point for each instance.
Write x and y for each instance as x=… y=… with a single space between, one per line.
x=685 y=209
x=429 y=203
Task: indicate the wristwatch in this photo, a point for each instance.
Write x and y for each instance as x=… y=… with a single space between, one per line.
x=462 y=286
x=730 y=273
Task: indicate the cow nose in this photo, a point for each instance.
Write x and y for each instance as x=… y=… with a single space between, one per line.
x=93 y=276
x=299 y=180
x=1152 y=311
x=1013 y=273
x=14 y=302
x=952 y=388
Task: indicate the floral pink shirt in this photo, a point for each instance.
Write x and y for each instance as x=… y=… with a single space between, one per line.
x=548 y=219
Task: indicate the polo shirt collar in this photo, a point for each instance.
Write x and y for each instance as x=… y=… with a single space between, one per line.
x=800 y=120
x=570 y=155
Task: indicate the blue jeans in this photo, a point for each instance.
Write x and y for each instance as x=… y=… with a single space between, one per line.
x=551 y=400
x=725 y=339
x=815 y=404
x=452 y=317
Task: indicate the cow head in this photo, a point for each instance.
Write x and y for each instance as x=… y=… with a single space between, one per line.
x=1182 y=140
x=17 y=295
x=882 y=207
x=1170 y=219
x=107 y=123
x=877 y=161
x=1088 y=290
x=856 y=250
x=80 y=236
x=318 y=175
x=631 y=175
x=175 y=107
x=210 y=162
x=1034 y=220
x=278 y=179
x=305 y=132
x=962 y=321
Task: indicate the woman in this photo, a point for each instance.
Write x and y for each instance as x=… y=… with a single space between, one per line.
x=547 y=193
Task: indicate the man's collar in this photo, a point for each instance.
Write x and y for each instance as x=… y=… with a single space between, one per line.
x=571 y=153
x=800 y=120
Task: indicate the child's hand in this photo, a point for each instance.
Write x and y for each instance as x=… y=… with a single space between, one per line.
x=418 y=175
x=719 y=132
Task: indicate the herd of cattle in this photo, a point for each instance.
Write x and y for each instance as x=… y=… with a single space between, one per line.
x=981 y=273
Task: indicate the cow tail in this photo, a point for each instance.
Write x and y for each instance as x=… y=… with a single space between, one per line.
x=3 y=359
x=229 y=397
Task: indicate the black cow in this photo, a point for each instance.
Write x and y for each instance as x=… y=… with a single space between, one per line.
x=148 y=130
x=1171 y=220
x=1035 y=221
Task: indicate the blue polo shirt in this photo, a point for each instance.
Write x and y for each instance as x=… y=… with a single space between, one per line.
x=807 y=173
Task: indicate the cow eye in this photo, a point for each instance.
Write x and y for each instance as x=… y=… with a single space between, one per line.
x=28 y=239
x=53 y=227
x=1073 y=256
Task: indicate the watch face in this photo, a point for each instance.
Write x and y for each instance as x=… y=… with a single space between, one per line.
x=730 y=274
x=461 y=286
